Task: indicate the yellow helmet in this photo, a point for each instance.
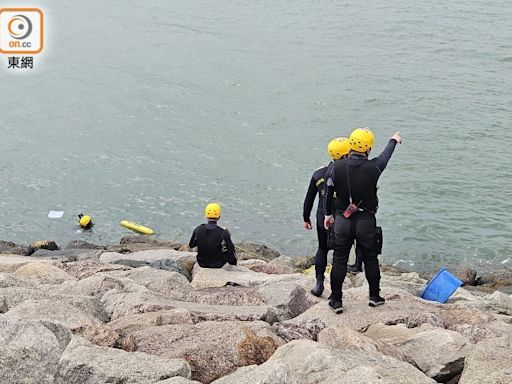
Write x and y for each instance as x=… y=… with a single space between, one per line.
x=338 y=147
x=212 y=211
x=361 y=139
x=85 y=221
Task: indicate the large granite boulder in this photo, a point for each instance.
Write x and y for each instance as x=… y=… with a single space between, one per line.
x=132 y=323
x=218 y=277
x=85 y=363
x=490 y=362
x=290 y=297
x=30 y=351
x=90 y=305
x=88 y=267
x=246 y=251
x=8 y=247
x=96 y=285
x=438 y=352
x=213 y=349
x=148 y=256
x=134 y=299
x=45 y=244
x=401 y=308
x=44 y=272
x=54 y=311
x=10 y=263
x=80 y=244
x=306 y=362
x=346 y=339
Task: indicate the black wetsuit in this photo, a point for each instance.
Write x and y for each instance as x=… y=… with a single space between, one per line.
x=363 y=175
x=214 y=246
x=317 y=186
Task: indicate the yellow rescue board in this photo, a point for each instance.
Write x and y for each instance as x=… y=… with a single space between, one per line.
x=137 y=227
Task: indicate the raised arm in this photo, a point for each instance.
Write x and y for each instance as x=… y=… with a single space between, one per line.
x=383 y=158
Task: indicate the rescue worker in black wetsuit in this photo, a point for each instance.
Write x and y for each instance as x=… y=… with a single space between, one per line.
x=214 y=245
x=337 y=149
x=354 y=180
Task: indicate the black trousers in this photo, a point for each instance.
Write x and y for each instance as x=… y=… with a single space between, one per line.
x=361 y=228
x=323 y=249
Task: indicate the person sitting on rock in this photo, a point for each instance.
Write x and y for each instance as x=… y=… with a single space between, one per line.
x=214 y=245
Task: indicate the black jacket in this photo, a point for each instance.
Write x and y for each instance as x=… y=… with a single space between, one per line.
x=214 y=246
x=316 y=186
x=362 y=175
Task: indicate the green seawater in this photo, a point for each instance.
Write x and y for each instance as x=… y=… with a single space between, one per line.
x=146 y=111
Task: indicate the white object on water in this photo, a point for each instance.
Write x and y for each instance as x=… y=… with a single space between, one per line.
x=55 y=214
x=505 y=261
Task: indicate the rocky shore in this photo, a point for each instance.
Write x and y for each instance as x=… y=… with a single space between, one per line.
x=142 y=312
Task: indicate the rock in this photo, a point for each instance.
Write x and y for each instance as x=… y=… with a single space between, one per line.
x=49 y=310
x=135 y=299
x=83 y=362
x=178 y=380
x=96 y=285
x=44 y=272
x=7 y=247
x=131 y=263
x=408 y=281
x=135 y=243
x=80 y=244
x=30 y=351
x=291 y=298
x=344 y=338
x=230 y=296
x=45 y=244
x=249 y=263
x=187 y=263
x=306 y=362
x=290 y=264
x=10 y=263
x=498 y=302
x=401 y=308
x=213 y=349
x=169 y=283
x=149 y=255
x=490 y=362
x=68 y=254
x=8 y=281
x=218 y=277
x=138 y=239
x=466 y=274
x=303 y=329
x=164 y=264
x=496 y=279
x=303 y=262
x=89 y=267
x=438 y=352
x=14 y=297
x=171 y=265
x=206 y=312
x=246 y=251
x=101 y=335
x=131 y=323
x=273 y=268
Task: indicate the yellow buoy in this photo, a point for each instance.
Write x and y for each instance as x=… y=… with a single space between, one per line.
x=137 y=227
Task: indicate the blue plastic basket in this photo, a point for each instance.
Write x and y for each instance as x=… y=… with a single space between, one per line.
x=441 y=286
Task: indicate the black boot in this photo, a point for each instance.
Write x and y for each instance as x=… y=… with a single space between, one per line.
x=319 y=287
